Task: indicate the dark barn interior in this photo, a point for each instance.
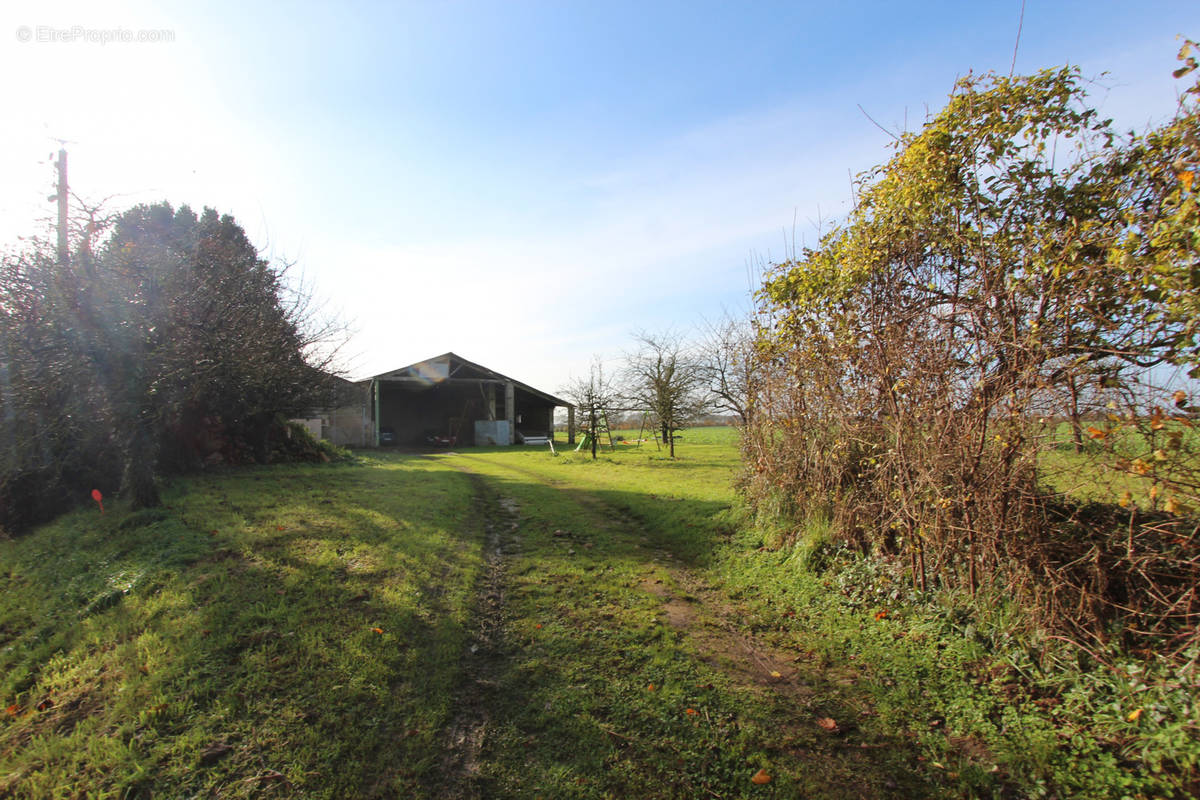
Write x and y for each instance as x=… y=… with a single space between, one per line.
x=448 y=400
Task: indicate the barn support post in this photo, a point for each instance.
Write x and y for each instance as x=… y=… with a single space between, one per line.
x=364 y=418
x=510 y=410
x=375 y=391
x=570 y=424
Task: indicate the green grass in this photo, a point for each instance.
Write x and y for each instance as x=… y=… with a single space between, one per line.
x=1104 y=473
x=490 y=622
x=998 y=712
x=595 y=700
x=229 y=643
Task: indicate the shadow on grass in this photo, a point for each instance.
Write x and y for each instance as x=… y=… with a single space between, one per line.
x=299 y=644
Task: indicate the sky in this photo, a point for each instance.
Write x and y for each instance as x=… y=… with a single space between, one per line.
x=526 y=184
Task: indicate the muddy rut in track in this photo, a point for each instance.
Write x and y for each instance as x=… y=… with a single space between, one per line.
x=712 y=623
x=481 y=661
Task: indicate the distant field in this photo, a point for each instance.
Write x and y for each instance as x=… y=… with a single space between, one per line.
x=1102 y=472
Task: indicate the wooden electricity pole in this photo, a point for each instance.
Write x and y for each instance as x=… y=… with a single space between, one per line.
x=64 y=253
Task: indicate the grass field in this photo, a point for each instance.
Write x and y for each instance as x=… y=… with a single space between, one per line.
x=1104 y=472
x=498 y=623
x=292 y=628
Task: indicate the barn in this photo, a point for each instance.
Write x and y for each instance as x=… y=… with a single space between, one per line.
x=448 y=400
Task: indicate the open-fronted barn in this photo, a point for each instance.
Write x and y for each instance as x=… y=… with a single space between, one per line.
x=452 y=401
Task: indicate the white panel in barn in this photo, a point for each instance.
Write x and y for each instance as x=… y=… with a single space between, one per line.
x=488 y=431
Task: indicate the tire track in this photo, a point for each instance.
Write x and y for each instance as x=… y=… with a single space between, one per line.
x=482 y=660
x=827 y=702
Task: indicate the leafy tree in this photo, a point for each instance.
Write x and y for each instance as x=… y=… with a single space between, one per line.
x=55 y=425
x=222 y=340
x=1162 y=221
x=169 y=340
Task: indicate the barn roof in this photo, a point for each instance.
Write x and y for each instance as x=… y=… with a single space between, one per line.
x=453 y=368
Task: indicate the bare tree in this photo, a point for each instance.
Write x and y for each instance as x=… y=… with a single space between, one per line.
x=662 y=377
x=594 y=397
x=724 y=357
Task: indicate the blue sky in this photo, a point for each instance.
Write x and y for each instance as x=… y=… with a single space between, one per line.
x=523 y=183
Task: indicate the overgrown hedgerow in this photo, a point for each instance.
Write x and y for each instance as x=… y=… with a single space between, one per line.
x=1018 y=279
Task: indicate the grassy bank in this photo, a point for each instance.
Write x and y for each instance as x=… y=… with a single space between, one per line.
x=291 y=628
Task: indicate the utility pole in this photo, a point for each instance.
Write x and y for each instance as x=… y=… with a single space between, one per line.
x=64 y=253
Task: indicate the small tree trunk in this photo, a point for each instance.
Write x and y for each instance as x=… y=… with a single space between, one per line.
x=921 y=563
x=140 y=462
x=592 y=429
x=972 y=553
x=1076 y=422
x=260 y=438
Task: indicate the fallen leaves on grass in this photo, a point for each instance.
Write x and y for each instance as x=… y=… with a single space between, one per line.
x=691 y=712
x=1134 y=715
x=761 y=777
x=377 y=630
x=827 y=723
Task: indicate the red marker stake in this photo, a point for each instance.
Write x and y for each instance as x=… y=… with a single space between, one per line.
x=99 y=498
